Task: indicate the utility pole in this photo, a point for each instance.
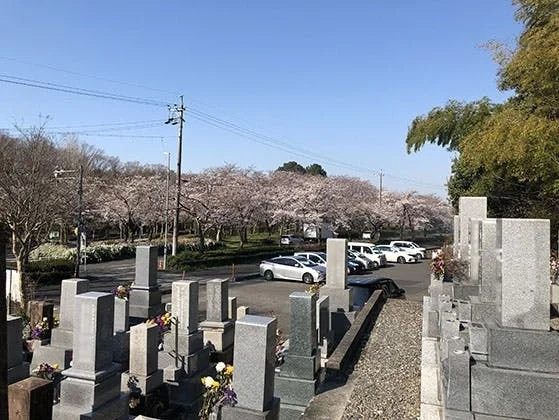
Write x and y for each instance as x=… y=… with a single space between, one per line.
x=57 y=174
x=79 y=234
x=380 y=174
x=167 y=210
x=176 y=114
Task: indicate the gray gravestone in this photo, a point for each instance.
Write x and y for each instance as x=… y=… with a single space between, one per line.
x=488 y=264
x=92 y=384
x=184 y=334
x=523 y=273
x=336 y=263
x=469 y=208
x=341 y=297
x=232 y=308
x=62 y=339
x=242 y=311
x=458 y=389
x=456 y=235
x=63 y=335
x=143 y=375
x=145 y=296
x=17 y=368
x=121 y=328
x=475 y=246
x=297 y=380
x=323 y=325
x=253 y=380
x=185 y=359
x=219 y=331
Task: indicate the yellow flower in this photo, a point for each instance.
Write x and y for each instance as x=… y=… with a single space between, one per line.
x=208 y=381
x=228 y=370
x=215 y=384
x=55 y=366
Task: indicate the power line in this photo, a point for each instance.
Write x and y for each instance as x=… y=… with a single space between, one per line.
x=202 y=117
x=78 y=91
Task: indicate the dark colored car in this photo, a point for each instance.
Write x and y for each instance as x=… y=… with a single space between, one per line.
x=363 y=288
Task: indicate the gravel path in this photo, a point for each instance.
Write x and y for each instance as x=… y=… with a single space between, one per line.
x=387 y=376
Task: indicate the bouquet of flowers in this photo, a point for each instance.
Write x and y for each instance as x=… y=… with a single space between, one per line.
x=40 y=330
x=121 y=292
x=163 y=321
x=46 y=371
x=437 y=264
x=218 y=392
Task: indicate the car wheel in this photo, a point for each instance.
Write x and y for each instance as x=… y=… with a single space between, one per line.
x=375 y=265
x=268 y=275
x=308 y=278
x=401 y=260
x=418 y=256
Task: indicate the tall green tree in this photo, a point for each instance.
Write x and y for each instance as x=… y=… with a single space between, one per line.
x=292 y=166
x=508 y=151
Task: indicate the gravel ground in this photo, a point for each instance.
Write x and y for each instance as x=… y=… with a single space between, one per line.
x=387 y=383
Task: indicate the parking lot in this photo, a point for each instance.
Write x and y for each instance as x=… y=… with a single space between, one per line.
x=263 y=298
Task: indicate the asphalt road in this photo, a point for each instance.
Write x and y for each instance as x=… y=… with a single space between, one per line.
x=263 y=298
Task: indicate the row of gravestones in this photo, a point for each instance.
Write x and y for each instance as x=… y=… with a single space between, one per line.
x=105 y=360
x=487 y=348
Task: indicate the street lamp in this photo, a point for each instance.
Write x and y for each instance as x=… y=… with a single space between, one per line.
x=57 y=174
x=167 y=209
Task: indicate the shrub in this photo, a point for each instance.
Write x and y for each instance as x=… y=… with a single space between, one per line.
x=49 y=271
x=188 y=260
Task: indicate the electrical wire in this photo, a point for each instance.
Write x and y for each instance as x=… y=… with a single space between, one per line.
x=200 y=116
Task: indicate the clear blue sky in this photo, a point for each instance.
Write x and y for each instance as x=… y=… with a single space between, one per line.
x=339 y=82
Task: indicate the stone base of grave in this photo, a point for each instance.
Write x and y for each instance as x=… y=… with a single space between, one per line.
x=514 y=393
x=18 y=373
x=142 y=384
x=192 y=362
x=340 y=299
x=483 y=311
x=30 y=399
x=291 y=412
x=86 y=391
x=121 y=349
x=295 y=391
x=302 y=367
x=51 y=355
x=463 y=290
x=219 y=335
x=116 y=409
x=144 y=304
x=62 y=337
x=236 y=413
x=341 y=322
x=186 y=343
x=187 y=391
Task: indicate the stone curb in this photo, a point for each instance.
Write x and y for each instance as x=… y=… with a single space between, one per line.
x=166 y=287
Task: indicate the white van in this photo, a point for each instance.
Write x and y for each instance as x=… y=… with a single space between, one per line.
x=369 y=251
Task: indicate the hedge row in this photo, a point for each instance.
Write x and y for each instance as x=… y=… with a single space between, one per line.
x=189 y=260
x=49 y=271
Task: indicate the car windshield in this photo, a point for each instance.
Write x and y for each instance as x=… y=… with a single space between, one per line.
x=305 y=262
x=322 y=255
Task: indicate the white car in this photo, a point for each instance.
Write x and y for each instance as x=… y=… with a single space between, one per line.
x=411 y=247
x=319 y=258
x=368 y=250
x=292 y=268
x=394 y=254
x=361 y=258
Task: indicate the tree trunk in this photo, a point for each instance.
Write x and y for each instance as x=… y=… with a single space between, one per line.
x=3 y=330
x=219 y=233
